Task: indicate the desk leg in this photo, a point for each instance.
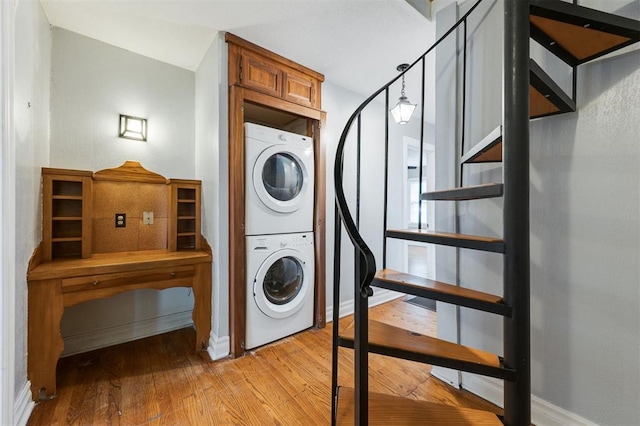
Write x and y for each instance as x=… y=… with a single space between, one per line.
x=202 y=305
x=44 y=340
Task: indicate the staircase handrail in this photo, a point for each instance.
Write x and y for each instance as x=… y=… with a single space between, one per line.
x=341 y=201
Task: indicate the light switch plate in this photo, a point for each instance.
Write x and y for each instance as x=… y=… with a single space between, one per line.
x=147 y=218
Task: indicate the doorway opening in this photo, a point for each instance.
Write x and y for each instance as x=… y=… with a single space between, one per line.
x=420 y=258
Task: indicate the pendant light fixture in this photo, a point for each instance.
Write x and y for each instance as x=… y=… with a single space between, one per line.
x=404 y=109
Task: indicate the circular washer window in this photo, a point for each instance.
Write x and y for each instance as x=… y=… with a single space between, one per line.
x=283 y=280
x=280 y=284
x=280 y=179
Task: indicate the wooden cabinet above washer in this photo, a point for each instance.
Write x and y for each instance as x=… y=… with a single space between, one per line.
x=256 y=68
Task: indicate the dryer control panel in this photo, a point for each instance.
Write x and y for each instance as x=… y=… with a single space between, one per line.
x=276 y=136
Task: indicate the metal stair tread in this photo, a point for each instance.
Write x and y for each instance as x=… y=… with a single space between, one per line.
x=418 y=286
x=387 y=410
x=396 y=342
x=578 y=34
x=545 y=98
x=488 y=150
x=474 y=192
x=475 y=242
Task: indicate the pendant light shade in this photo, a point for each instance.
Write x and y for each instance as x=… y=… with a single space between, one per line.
x=403 y=110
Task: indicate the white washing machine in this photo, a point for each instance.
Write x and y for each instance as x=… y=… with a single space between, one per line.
x=279 y=181
x=280 y=286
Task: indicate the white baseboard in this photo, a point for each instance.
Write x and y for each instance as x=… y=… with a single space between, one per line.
x=543 y=413
x=23 y=405
x=219 y=347
x=348 y=307
x=447 y=375
x=96 y=339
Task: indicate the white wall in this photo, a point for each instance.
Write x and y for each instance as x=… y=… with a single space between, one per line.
x=91 y=83
x=585 y=240
x=7 y=221
x=585 y=243
x=31 y=121
x=212 y=168
x=340 y=104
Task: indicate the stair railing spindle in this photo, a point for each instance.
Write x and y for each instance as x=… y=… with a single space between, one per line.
x=420 y=167
x=386 y=177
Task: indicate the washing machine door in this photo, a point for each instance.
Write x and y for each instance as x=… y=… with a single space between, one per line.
x=281 y=284
x=280 y=179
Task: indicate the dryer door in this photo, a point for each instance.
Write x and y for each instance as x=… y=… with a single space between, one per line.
x=280 y=179
x=281 y=284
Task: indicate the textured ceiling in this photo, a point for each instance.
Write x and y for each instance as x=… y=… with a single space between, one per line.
x=356 y=44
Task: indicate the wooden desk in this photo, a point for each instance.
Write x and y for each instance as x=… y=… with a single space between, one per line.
x=57 y=284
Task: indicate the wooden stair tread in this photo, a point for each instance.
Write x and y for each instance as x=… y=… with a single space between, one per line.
x=385 y=410
x=474 y=242
x=474 y=192
x=436 y=290
x=578 y=34
x=393 y=341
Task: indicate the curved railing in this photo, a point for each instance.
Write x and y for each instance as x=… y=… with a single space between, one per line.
x=343 y=215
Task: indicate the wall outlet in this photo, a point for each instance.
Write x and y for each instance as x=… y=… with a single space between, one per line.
x=121 y=220
x=147 y=218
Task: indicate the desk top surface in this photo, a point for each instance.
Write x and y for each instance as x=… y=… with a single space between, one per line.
x=105 y=263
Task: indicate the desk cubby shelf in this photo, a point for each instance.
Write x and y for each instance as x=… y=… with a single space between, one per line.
x=67 y=200
x=185 y=218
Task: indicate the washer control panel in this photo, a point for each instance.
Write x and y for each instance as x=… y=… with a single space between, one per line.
x=298 y=240
x=279 y=241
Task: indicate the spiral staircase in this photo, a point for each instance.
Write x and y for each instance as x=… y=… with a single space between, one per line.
x=576 y=35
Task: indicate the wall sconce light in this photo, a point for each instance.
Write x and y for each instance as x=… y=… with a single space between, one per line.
x=404 y=109
x=133 y=128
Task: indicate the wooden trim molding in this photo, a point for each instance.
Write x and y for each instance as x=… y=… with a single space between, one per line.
x=231 y=38
x=130 y=171
x=238 y=96
x=237 y=253
x=319 y=224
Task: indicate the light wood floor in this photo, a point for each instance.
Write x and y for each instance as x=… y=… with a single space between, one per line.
x=160 y=380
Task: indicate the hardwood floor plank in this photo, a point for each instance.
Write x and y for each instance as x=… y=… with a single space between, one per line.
x=161 y=381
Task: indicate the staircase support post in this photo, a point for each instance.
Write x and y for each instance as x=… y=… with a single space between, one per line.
x=361 y=348
x=517 y=394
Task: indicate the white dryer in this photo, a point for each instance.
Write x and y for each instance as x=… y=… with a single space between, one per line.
x=280 y=286
x=279 y=181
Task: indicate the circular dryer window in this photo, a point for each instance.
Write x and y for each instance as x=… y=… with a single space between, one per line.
x=280 y=284
x=280 y=179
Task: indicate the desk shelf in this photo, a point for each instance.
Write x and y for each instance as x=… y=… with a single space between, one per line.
x=184 y=226
x=66 y=219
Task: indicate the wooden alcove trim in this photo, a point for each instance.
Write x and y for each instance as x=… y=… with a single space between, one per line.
x=237 y=246
x=234 y=72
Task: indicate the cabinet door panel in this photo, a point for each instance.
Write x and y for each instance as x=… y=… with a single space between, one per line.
x=300 y=88
x=261 y=75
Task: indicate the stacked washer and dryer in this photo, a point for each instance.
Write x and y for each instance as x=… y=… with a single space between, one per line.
x=279 y=195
